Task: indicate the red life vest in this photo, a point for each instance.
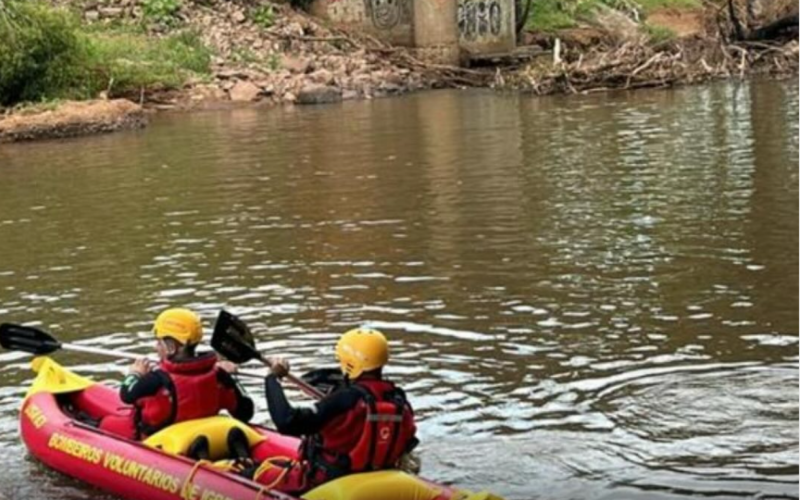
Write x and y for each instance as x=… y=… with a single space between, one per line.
x=373 y=435
x=190 y=390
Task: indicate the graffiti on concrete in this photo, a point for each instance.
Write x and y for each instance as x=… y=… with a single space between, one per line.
x=388 y=14
x=479 y=18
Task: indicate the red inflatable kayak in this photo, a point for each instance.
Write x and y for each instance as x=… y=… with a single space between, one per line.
x=59 y=402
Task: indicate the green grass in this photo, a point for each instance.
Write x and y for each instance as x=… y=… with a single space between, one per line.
x=46 y=54
x=659 y=34
x=29 y=108
x=553 y=15
x=651 y=5
x=123 y=61
x=549 y=15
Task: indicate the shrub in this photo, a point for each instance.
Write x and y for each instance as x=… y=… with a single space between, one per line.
x=40 y=51
x=46 y=54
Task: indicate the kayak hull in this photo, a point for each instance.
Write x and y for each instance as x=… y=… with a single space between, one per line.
x=52 y=427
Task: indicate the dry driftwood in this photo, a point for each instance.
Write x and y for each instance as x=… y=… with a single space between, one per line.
x=636 y=66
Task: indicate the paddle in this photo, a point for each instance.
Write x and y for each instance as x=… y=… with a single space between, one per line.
x=35 y=341
x=232 y=338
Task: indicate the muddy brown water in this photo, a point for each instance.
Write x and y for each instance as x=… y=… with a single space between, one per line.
x=587 y=297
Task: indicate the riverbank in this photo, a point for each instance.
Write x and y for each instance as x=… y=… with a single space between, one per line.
x=246 y=53
x=71 y=119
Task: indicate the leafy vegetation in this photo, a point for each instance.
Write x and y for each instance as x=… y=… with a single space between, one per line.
x=263 y=16
x=46 y=54
x=161 y=11
x=40 y=49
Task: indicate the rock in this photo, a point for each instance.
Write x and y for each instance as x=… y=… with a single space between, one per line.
x=355 y=65
x=391 y=88
x=289 y=97
x=319 y=94
x=296 y=64
x=244 y=91
x=208 y=92
x=363 y=78
x=282 y=74
x=110 y=11
x=91 y=15
x=322 y=76
x=295 y=29
x=231 y=74
x=349 y=95
x=266 y=86
x=239 y=17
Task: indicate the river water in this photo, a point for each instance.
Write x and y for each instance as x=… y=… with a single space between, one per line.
x=587 y=297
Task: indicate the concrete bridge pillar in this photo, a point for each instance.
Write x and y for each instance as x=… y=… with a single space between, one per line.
x=436 y=37
x=487 y=26
x=437 y=29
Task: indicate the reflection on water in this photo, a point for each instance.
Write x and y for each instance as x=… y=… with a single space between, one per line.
x=587 y=297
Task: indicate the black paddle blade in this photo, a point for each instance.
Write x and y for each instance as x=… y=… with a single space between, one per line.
x=326 y=380
x=27 y=339
x=233 y=339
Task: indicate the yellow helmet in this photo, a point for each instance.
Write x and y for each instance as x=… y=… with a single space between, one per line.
x=362 y=350
x=180 y=324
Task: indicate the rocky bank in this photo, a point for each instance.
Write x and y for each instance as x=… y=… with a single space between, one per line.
x=293 y=58
x=269 y=53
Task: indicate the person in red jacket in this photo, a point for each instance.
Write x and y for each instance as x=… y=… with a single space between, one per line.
x=185 y=385
x=365 y=425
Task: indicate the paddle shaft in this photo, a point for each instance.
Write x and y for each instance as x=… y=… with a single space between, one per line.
x=300 y=383
x=35 y=341
x=134 y=356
